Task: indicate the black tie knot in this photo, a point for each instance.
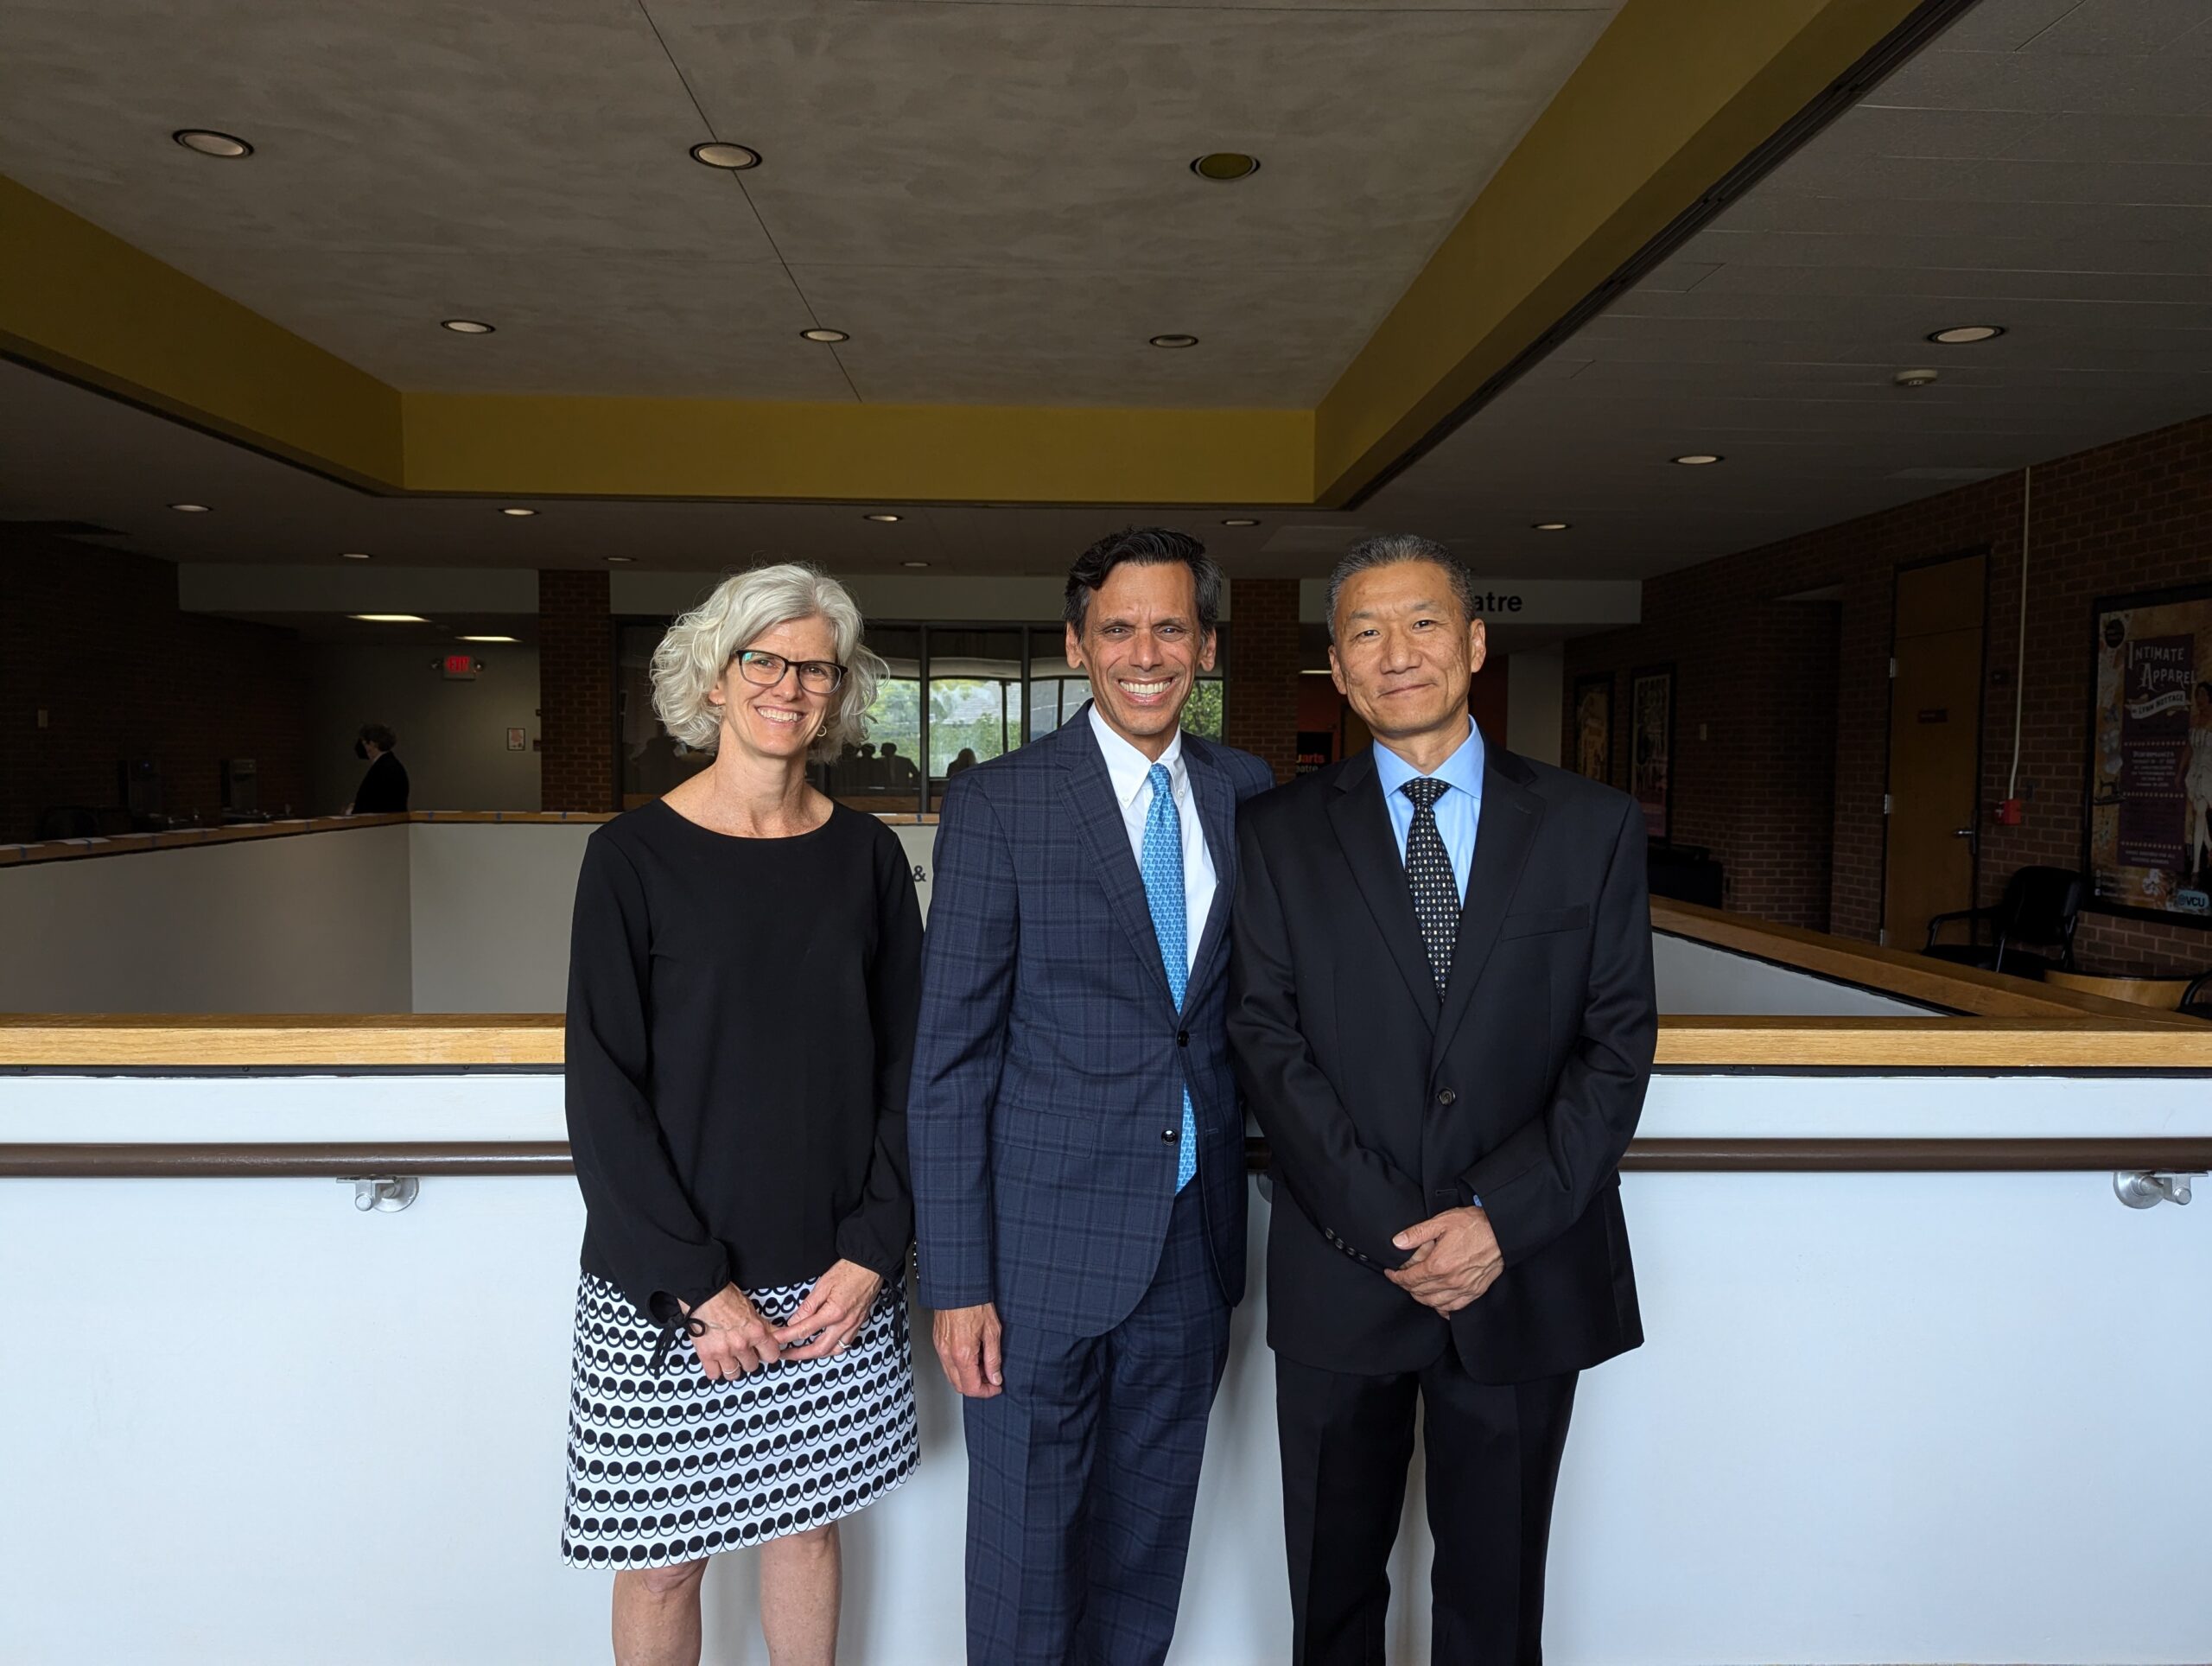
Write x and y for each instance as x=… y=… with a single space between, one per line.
x=1425 y=791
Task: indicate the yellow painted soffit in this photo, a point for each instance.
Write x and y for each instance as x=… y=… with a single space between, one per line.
x=907 y=454
x=82 y=301
x=1674 y=94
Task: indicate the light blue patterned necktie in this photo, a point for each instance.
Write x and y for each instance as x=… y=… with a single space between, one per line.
x=1161 y=864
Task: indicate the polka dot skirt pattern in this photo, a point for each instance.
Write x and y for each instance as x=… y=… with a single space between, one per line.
x=668 y=1467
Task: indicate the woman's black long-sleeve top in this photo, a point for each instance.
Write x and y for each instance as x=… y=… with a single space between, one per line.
x=740 y=1025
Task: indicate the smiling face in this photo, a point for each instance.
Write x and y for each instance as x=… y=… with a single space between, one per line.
x=780 y=722
x=1405 y=651
x=1142 y=645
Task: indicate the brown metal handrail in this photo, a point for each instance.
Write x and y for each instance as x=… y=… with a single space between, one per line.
x=1900 y=1156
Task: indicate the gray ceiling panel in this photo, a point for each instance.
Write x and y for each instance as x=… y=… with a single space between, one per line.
x=2120 y=27
x=2076 y=138
x=2025 y=249
x=1954 y=285
x=2167 y=85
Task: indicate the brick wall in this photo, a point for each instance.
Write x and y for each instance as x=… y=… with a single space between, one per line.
x=575 y=691
x=1783 y=731
x=1260 y=704
x=95 y=639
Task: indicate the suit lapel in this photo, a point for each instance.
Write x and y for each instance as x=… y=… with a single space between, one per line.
x=1363 y=828
x=1090 y=792
x=1217 y=818
x=1505 y=832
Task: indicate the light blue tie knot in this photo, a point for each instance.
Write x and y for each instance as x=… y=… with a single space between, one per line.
x=1162 y=865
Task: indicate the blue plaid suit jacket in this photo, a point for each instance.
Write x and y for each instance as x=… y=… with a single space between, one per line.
x=1051 y=1058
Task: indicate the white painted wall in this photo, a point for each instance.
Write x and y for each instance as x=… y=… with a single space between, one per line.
x=1533 y=680
x=1697 y=978
x=315 y=923
x=1895 y=1418
x=452 y=735
x=491 y=908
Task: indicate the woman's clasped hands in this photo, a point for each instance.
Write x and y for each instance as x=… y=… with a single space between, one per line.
x=737 y=1341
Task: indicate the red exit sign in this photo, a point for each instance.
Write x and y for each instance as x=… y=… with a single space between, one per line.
x=460 y=667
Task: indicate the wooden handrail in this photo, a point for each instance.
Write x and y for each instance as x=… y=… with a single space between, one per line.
x=435 y=1041
x=365 y=1159
x=1890 y=971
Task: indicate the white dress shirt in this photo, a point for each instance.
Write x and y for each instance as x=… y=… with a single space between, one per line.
x=1129 y=772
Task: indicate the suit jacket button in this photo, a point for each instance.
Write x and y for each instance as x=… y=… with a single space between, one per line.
x=1182 y=1038
x=1447 y=1095
x=1171 y=1134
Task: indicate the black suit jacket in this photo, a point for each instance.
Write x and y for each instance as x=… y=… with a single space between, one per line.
x=1383 y=1104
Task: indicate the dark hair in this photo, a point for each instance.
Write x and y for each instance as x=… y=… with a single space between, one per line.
x=1387 y=550
x=378 y=735
x=2204 y=687
x=1150 y=546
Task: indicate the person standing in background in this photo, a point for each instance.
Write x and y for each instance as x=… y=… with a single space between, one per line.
x=383 y=791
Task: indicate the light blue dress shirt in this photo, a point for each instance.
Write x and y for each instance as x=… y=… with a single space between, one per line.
x=1458 y=812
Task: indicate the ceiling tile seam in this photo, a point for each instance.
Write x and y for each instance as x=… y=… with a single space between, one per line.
x=813 y=319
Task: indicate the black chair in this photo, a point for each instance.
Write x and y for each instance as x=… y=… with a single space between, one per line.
x=2039 y=910
x=2197 y=999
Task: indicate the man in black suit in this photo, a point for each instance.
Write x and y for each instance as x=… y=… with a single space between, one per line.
x=1442 y=1013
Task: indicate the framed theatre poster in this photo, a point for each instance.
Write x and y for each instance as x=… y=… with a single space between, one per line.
x=1593 y=726
x=1651 y=747
x=2149 y=821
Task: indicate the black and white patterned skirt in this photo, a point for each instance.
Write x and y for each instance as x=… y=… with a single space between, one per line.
x=668 y=1467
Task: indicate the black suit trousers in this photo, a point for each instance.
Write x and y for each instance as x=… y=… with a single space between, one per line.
x=1493 y=1465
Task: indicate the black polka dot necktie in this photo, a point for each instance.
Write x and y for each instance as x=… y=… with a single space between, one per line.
x=1428 y=872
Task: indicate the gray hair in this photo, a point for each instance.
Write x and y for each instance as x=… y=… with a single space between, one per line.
x=700 y=646
x=1387 y=550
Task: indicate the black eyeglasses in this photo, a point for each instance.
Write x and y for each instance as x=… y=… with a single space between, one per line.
x=815 y=676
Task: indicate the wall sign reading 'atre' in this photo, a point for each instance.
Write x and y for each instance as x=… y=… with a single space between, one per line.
x=2149 y=822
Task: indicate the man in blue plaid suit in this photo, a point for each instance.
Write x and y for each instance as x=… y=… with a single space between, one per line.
x=1077 y=1142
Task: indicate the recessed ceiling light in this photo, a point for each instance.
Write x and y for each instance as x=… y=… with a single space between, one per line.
x=519 y=513
x=1174 y=340
x=484 y=639
x=1222 y=166
x=189 y=508
x=466 y=326
x=827 y=336
x=1697 y=459
x=352 y=555
x=1240 y=520
x=1550 y=527
x=209 y=143
x=883 y=517
x=735 y=157
x=624 y=559
x=390 y=619
x=1960 y=335
x=913 y=563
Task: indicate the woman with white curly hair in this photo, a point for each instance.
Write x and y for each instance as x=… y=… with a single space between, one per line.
x=742 y=987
